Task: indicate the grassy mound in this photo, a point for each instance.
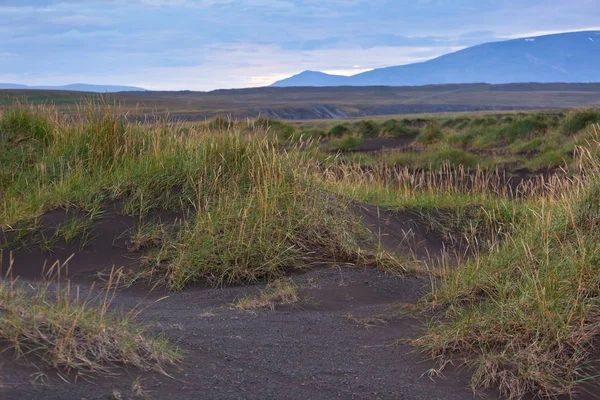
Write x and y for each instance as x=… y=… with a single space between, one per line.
x=76 y=333
x=257 y=211
x=526 y=313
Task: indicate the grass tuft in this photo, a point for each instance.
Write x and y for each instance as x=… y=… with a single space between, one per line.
x=76 y=332
x=279 y=292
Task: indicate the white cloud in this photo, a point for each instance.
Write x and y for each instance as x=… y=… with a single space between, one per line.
x=267 y=64
x=346 y=71
x=206 y=44
x=547 y=32
x=79 y=20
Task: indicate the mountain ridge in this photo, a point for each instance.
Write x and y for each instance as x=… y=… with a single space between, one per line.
x=76 y=87
x=563 y=57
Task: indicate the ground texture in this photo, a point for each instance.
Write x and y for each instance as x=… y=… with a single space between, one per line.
x=341 y=340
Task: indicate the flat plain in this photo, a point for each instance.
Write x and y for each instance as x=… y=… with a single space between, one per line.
x=337 y=102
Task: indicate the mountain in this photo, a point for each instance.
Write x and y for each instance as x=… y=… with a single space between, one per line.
x=565 y=57
x=77 y=87
x=315 y=78
x=12 y=86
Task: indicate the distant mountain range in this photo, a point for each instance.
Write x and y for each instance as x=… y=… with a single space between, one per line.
x=77 y=87
x=566 y=57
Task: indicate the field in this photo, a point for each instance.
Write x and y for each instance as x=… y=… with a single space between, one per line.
x=259 y=258
x=319 y=103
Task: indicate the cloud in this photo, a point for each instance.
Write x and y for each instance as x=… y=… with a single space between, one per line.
x=78 y=20
x=205 y=44
x=547 y=32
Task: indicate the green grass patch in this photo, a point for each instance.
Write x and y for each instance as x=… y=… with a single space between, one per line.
x=548 y=160
x=431 y=134
x=453 y=157
x=347 y=143
x=369 y=129
x=578 y=120
x=525 y=315
x=339 y=131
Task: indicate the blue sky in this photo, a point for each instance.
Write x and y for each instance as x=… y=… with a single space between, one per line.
x=209 y=44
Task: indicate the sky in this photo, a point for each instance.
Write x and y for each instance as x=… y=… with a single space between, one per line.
x=212 y=44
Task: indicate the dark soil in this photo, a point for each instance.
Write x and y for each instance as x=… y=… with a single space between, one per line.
x=341 y=341
x=324 y=348
x=106 y=247
x=402 y=232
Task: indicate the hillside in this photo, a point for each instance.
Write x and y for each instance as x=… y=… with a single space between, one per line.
x=566 y=57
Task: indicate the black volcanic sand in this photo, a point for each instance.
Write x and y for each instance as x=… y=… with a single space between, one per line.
x=402 y=232
x=339 y=342
x=318 y=350
x=107 y=247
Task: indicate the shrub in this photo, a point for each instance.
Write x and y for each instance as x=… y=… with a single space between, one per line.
x=346 y=144
x=578 y=120
x=431 y=134
x=522 y=129
x=393 y=128
x=368 y=129
x=339 y=130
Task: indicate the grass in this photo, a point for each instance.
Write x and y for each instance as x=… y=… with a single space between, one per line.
x=279 y=292
x=548 y=160
x=578 y=120
x=431 y=134
x=263 y=200
x=525 y=314
x=347 y=143
x=368 y=129
x=64 y=329
x=515 y=142
x=307 y=103
x=339 y=130
x=258 y=213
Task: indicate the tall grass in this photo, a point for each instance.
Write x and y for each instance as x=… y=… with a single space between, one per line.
x=525 y=315
x=257 y=210
x=257 y=217
x=402 y=186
